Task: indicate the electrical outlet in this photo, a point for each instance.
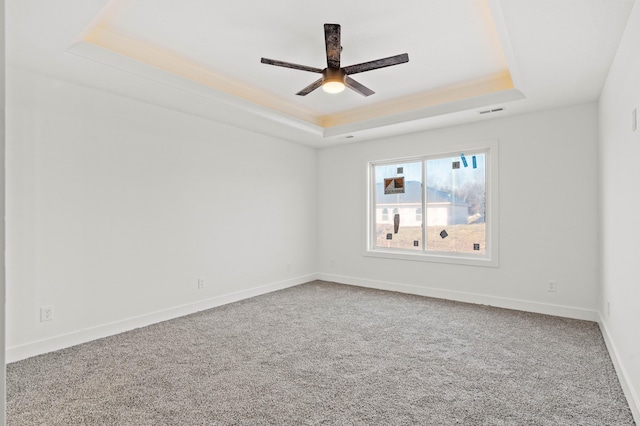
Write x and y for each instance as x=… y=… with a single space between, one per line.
x=608 y=309
x=333 y=263
x=46 y=313
x=201 y=283
x=552 y=286
x=289 y=267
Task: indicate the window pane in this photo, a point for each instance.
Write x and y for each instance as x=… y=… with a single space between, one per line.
x=455 y=194
x=398 y=193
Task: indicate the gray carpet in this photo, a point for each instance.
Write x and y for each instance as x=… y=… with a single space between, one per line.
x=324 y=353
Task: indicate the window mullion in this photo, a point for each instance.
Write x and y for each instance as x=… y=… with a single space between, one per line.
x=424 y=205
x=372 y=194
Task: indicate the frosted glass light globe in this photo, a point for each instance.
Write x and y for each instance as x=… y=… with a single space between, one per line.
x=333 y=87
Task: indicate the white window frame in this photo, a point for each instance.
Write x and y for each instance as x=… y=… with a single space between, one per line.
x=491 y=257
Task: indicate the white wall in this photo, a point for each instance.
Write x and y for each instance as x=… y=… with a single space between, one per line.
x=620 y=204
x=548 y=215
x=116 y=207
x=2 y=222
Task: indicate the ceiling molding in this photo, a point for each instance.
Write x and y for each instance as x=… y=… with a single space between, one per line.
x=103 y=44
x=105 y=56
x=435 y=110
x=422 y=101
x=171 y=62
x=500 y=25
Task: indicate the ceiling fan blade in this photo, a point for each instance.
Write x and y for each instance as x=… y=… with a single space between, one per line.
x=357 y=87
x=289 y=65
x=310 y=88
x=379 y=63
x=332 y=43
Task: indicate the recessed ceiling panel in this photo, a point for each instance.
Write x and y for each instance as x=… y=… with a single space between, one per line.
x=455 y=52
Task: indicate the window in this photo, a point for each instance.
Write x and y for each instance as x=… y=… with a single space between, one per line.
x=441 y=208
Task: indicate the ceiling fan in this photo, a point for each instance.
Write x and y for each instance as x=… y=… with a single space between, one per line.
x=335 y=78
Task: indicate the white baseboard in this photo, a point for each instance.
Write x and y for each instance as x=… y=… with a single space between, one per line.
x=478 y=299
x=27 y=350
x=627 y=387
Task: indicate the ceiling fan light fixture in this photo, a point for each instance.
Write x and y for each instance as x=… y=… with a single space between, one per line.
x=333 y=86
x=333 y=80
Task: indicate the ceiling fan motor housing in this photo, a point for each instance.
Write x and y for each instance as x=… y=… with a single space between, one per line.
x=333 y=75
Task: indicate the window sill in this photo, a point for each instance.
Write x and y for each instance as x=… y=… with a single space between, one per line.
x=460 y=259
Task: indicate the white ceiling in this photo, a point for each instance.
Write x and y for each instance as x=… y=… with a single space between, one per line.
x=203 y=58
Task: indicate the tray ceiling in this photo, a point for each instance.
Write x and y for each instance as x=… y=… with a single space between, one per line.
x=465 y=56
